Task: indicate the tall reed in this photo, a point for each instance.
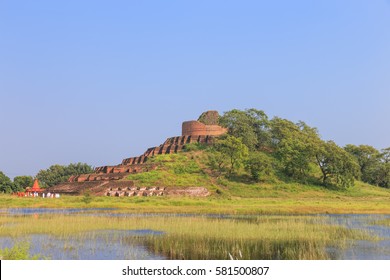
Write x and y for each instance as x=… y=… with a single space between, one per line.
x=201 y=237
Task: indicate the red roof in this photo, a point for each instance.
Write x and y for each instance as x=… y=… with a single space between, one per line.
x=35 y=187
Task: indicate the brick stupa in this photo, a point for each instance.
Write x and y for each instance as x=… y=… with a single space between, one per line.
x=110 y=180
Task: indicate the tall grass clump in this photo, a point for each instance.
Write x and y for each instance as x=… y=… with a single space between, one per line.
x=384 y=222
x=284 y=238
x=20 y=251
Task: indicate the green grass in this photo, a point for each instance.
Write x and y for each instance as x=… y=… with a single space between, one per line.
x=20 y=251
x=385 y=222
x=174 y=170
x=260 y=199
x=264 y=238
x=200 y=237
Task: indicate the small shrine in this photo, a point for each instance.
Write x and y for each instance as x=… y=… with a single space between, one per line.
x=35 y=190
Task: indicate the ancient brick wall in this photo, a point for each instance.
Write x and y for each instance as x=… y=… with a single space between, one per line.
x=193 y=128
x=197 y=128
x=215 y=130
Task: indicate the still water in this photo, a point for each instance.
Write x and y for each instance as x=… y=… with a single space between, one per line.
x=97 y=245
x=362 y=249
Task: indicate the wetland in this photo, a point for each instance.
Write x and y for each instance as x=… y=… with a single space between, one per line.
x=110 y=234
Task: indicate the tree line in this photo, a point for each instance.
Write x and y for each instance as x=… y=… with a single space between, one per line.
x=296 y=151
x=52 y=176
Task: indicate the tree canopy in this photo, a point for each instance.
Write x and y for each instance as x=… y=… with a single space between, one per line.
x=228 y=154
x=250 y=125
x=297 y=151
x=6 y=185
x=336 y=165
x=22 y=182
x=19 y=184
x=259 y=165
x=294 y=146
x=374 y=166
x=56 y=174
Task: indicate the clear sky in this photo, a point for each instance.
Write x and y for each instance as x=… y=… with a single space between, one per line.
x=98 y=81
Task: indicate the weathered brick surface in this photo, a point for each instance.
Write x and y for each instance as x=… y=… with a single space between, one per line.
x=209 y=118
x=193 y=128
x=170 y=146
x=77 y=188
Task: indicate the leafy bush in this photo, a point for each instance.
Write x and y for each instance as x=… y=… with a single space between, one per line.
x=20 y=251
x=259 y=165
x=194 y=147
x=87 y=198
x=56 y=174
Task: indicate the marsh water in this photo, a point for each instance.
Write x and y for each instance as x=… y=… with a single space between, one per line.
x=363 y=249
x=118 y=244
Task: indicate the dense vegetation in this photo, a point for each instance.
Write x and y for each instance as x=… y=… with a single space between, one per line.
x=374 y=165
x=293 y=152
x=19 y=183
x=20 y=251
x=55 y=174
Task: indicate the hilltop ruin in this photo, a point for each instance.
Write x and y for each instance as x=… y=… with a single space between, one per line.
x=111 y=180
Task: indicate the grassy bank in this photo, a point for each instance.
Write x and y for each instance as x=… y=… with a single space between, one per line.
x=282 y=198
x=262 y=237
x=385 y=222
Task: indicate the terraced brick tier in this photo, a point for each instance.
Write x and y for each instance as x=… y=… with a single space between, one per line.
x=124 y=188
x=98 y=177
x=121 y=168
x=76 y=188
x=170 y=146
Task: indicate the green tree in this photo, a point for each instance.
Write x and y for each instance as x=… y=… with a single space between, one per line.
x=228 y=153
x=22 y=182
x=294 y=146
x=251 y=126
x=385 y=155
x=6 y=185
x=258 y=165
x=381 y=175
x=367 y=157
x=379 y=172
x=217 y=161
x=56 y=174
x=338 y=167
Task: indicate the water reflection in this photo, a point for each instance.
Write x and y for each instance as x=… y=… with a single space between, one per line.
x=32 y=211
x=363 y=249
x=95 y=245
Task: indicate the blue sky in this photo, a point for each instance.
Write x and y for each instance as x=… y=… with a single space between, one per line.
x=98 y=81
